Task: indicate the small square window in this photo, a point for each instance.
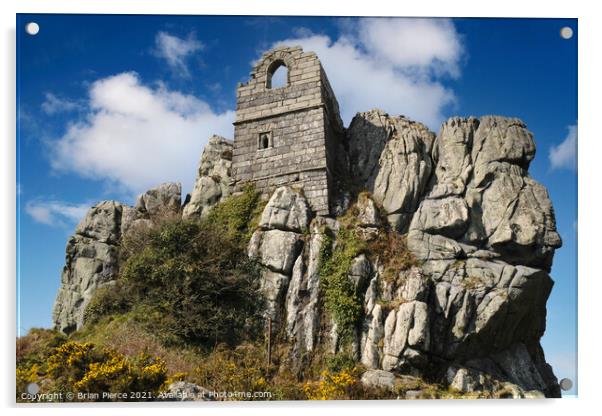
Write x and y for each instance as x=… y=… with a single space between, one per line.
x=264 y=141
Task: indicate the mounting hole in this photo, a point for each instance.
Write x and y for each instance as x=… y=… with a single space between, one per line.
x=33 y=388
x=566 y=384
x=32 y=28
x=566 y=32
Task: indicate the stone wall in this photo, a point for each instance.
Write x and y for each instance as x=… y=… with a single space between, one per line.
x=300 y=121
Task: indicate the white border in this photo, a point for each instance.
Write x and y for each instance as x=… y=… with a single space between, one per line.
x=590 y=152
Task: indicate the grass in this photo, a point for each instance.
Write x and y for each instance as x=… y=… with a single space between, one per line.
x=391 y=249
x=389 y=305
x=472 y=282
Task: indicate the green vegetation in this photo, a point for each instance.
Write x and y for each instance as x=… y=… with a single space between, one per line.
x=72 y=367
x=341 y=298
x=184 y=287
x=191 y=282
x=341 y=361
x=392 y=249
x=186 y=306
x=238 y=215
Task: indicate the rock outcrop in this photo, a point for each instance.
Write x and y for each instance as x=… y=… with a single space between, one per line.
x=92 y=252
x=277 y=244
x=91 y=262
x=213 y=178
x=457 y=295
x=390 y=157
x=470 y=310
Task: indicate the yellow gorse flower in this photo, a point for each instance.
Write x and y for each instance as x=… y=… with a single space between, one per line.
x=331 y=386
x=87 y=368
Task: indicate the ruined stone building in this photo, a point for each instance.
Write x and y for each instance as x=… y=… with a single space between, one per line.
x=287 y=135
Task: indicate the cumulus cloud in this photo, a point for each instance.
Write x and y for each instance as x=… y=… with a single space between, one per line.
x=136 y=136
x=396 y=64
x=426 y=46
x=176 y=51
x=53 y=104
x=56 y=213
x=564 y=155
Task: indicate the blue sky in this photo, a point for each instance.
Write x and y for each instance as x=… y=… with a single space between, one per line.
x=112 y=105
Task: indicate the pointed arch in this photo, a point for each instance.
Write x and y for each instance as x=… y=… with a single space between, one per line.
x=277 y=75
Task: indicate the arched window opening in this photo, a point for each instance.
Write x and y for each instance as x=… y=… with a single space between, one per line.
x=277 y=75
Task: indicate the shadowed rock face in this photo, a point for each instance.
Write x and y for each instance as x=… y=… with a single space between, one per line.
x=468 y=312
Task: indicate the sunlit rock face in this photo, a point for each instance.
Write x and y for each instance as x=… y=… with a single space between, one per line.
x=472 y=309
x=467 y=311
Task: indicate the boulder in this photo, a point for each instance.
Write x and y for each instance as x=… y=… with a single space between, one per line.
x=451 y=153
x=367 y=212
x=277 y=250
x=378 y=379
x=390 y=157
x=481 y=195
x=164 y=199
x=277 y=244
x=447 y=217
x=102 y=223
x=213 y=178
x=286 y=210
x=468 y=380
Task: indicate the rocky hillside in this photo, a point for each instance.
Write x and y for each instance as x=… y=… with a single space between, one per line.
x=436 y=265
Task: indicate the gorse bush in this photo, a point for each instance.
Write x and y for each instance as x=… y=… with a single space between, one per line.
x=333 y=386
x=244 y=370
x=84 y=367
x=75 y=367
x=197 y=283
x=234 y=370
x=192 y=281
x=237 y=216
x=32 y=352
x=108 y=300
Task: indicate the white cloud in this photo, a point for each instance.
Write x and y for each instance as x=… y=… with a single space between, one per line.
x=136 y=136
x=53 y=104
x=413 y=44
x=564 y=155
x=176 y=51
x=56 y=213
x=395 y=64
